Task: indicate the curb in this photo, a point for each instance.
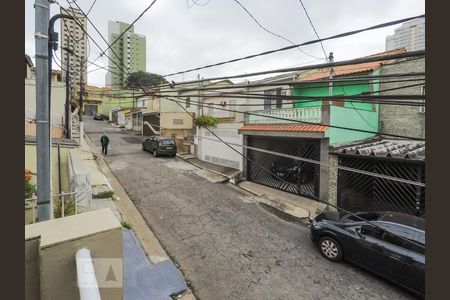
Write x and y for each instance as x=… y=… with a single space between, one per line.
x=148 y=240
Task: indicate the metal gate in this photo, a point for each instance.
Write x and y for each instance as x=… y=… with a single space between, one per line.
x=358 y=192
x=90 y=109
x=297 y=177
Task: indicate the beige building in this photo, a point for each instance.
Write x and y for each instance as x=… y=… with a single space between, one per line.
x=52 y=268
x=73 y=37
x=58 y=100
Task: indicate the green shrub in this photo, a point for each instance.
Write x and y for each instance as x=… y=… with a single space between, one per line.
x=106 y=194
x=69 y=208
x=30 y=189
x=125 y=224
x=206 y=121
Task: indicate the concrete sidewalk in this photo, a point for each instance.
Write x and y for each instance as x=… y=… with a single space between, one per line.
x=294 y=205
x=150 y=244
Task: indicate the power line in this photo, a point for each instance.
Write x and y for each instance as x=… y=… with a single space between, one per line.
x=101 y=37
x=131 y=25
x=305 y=99
x=288 y=183
x=95 y=1
x=100 y=34
x=271 y=32
x=312 y=25
x=347 y=81
x=372 y=58
x=348 y=33
x=297 y=121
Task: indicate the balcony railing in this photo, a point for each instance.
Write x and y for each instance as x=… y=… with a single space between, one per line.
x=307 y=114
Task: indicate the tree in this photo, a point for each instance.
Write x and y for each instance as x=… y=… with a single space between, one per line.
x=144 y=79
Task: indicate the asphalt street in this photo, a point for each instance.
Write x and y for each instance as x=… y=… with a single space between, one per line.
x=226 y=245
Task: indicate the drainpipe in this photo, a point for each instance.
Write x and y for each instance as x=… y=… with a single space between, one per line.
x=87 y=282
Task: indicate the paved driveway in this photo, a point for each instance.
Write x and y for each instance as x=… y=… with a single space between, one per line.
x=227 y=246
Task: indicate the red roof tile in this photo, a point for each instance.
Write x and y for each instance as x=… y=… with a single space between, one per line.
x=352 y=69
x=285 y=127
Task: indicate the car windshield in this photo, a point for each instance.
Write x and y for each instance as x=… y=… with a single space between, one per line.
x=404 y=219
x=167 y=142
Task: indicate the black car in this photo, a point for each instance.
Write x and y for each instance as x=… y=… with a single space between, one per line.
x=393 y=247
x=291 y=170
x=160 y=146
x=98 y=117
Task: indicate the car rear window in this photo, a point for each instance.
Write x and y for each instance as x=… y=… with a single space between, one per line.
x=167 y=142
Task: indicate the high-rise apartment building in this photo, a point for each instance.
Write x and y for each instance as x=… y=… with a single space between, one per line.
x=73 y=37
x=127 y=55
x=411 y=36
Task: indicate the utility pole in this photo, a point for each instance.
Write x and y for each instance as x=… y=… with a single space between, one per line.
x=67 y=108
x=44 y=204
x=330 y=84
x=80 y=113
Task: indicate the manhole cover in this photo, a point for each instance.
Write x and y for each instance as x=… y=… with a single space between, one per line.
x=131 y=140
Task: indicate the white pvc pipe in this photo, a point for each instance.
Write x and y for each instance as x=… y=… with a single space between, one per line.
x=87 y=282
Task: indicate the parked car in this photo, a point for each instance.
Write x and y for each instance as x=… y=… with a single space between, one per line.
x=98 y=116
x=160 y=146
x=394 y=248
x=290 y=170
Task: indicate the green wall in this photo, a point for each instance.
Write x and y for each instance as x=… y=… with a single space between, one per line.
x=119 y=98
x=363 y=116
x=339 y=89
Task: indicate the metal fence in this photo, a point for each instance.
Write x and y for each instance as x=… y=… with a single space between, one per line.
x=359 y=192
x=297 y=177
x=66 y=204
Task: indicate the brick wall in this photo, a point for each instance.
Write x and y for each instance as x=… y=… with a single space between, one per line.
x=402 y=120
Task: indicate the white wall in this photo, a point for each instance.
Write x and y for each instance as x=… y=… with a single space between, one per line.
x=58 y=100
x=216 y=151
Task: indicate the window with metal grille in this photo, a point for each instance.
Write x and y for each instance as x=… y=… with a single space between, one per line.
x=275 y=102
x=177 y=121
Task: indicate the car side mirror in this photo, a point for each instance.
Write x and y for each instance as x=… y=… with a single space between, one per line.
x=358 y=233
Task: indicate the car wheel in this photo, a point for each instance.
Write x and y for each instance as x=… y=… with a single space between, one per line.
x=331 y=249
x=155 y=154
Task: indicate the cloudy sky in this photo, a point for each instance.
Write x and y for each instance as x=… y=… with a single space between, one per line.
x=181 y=34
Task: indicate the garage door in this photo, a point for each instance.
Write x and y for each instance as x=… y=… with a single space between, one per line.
x=292 y=176
x=90 y=110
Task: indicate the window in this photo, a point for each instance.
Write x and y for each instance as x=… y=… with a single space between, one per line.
x=273 y=102
x=371 y=231
x=188 y=102
x=393 y=239
x=177 y=121
x=167 y=142
x=422 y=108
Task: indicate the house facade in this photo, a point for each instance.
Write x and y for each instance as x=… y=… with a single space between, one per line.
x=58 y=101
x=315 y=122
x=92 y=100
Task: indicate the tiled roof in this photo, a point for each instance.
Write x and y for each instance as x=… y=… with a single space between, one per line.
x=352 y=69
x=406 y=149
x=285 y=127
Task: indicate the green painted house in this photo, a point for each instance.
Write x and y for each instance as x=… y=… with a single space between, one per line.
x=348 y=114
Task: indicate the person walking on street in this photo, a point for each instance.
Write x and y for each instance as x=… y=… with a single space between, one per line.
x=104 y=141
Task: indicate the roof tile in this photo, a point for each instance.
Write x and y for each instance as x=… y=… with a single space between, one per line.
x=285 y=128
